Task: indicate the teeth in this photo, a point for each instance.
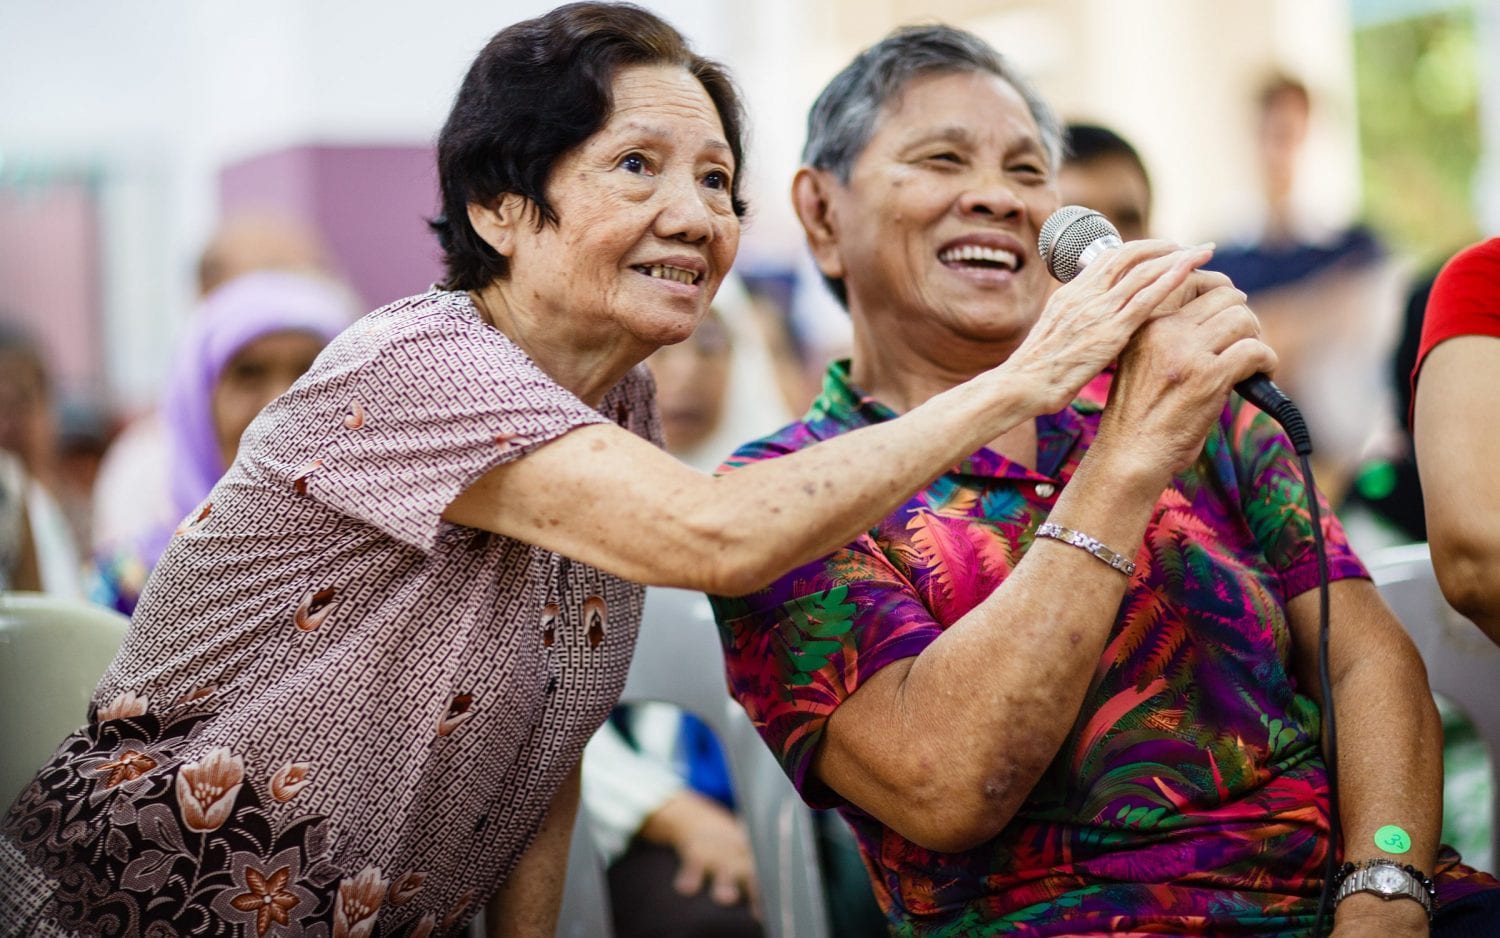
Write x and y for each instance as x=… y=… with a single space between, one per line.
x=670 y=273
x=978 y=252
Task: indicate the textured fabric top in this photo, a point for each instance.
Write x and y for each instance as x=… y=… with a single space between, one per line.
x=1190 y=795
x=369 y=707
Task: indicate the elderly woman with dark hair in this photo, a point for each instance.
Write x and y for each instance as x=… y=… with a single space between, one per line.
x=1027 y=737
x=356 y=687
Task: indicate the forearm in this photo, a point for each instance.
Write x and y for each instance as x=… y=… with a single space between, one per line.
x=992 y=699
x=527 y=904
x=1389 y=736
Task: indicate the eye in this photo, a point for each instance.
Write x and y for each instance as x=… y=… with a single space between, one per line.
x=634 y=163
x=718 y=179
x=1029 y=169
x=947 y=156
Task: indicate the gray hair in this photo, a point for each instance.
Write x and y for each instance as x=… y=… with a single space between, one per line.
x=842 y=120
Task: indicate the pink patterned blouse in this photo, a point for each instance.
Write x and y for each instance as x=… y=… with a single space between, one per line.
x=334 y=712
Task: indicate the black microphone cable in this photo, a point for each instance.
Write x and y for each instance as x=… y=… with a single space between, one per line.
x=1070 y=238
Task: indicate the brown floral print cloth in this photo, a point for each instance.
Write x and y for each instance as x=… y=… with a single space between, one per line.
x=335 y=713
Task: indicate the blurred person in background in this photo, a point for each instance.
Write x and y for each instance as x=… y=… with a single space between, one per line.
x=356 y=689
x=656 y=787
x=28 y=430
x=18 y=567
x=1325 y=293
x=1457 y=448
x=248 y=341
x=1101 y=170
x=128 y=495
x=1070 y=687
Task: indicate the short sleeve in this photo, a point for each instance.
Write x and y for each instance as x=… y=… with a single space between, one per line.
x=797 y=649
x=1273 y=493
x=425 y=406
x=1465 y=299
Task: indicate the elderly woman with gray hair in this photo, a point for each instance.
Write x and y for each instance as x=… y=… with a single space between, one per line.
x=1068 y=687
x=355 y=690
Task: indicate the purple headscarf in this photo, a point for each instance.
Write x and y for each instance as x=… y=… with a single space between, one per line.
x=230 y=318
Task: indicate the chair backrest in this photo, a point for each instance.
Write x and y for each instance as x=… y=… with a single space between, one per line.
x=678 y=661
x=1462 y=664
x=52 y=653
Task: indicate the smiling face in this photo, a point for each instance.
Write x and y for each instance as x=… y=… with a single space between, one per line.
x=645 y=227
x=936 y=229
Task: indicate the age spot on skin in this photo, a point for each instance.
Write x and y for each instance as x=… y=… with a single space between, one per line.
x=597 y=445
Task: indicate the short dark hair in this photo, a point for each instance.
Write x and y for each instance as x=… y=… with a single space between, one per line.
x=1087 y=143
x=843 y=118
x=537 y=90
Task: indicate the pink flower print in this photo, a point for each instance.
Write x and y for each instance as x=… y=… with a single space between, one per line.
x=358 y=901
x=458 y=713
x=290 y=779
x=424 y=926
x=127 y=704
x=594 y=617
x=354 y=415
x=300 y=477
x=460 y=906
x=127 y=766
x=206 y=789
x=405 y=888
x=267 y=897
x=506 y=440
x=196 y=694
x=193 y=522
x=314 y=608
x=550 y=612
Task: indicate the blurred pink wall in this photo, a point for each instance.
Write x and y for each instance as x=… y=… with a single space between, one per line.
x=370 y=203
x=50 y=278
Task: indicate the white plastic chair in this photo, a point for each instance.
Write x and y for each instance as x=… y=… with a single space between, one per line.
x=52 y=653
x=1462 y=664
x=678 y=661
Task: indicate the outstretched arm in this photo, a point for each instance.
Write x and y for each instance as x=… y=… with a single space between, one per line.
x=606 y=497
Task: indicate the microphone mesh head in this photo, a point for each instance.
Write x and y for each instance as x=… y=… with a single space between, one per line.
x=1065 y=235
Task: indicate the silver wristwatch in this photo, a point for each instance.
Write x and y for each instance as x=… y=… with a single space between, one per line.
x=1386 y=879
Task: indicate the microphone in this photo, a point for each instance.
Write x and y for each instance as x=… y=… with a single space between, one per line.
x=1074 y=236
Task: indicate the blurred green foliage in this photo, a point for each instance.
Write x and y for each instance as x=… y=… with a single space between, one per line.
x=1418 y=91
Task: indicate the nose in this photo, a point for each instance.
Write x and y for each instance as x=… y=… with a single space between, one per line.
x=992 y=197
x=685 y=215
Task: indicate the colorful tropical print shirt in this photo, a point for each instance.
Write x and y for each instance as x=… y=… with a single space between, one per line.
x=1189 y=794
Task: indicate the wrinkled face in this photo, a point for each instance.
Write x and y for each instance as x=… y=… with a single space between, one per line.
x=646 y=230
x=939 y=219
x=259 y=373
x=1112 y=186
x=692 y=378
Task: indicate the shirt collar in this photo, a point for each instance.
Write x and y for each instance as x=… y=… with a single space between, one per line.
x=843 y=406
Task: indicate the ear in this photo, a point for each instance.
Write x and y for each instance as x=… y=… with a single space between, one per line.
x=812 y=197
x=496 y=223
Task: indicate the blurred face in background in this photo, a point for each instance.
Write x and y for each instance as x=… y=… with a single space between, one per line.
x=1113 y=186
x=692 y=378
x=257 y=374
x=26 y=427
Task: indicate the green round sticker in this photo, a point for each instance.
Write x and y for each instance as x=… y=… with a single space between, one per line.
x=1392 y=839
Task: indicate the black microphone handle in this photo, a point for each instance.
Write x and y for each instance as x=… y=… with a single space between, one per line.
x=1263 y=393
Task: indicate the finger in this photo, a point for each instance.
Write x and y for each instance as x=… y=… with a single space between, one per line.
x=1141 y=292
x=1210 y=304
x=1244 y=358
x=725 y=889
x=689 y=878
x=1228 y=326
x=1114 y=264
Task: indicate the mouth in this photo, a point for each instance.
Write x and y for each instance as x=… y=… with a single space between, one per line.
x=979 y=257
x=669 y=272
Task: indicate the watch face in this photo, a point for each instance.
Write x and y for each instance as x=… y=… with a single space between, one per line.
x=1387 y=879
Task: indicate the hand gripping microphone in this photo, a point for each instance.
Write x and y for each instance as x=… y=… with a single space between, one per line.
x=1074 y=236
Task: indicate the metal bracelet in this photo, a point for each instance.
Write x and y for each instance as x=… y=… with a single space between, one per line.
x=1085 y=542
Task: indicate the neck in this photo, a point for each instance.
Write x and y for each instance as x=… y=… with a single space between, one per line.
x=588 y=362
x=903 y=374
